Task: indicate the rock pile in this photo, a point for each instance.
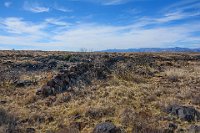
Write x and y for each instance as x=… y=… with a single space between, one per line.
x=106 y=127
x=75 y=75
x=184 y=113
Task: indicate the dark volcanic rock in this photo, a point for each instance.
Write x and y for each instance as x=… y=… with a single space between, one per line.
x=76 y=75
x=184 y=113
x=106 y=127
x=52 y=64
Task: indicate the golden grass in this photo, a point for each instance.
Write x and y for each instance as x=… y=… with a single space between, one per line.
x=128 y=98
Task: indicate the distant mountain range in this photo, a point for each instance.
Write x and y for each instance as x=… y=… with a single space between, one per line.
x=176 y=49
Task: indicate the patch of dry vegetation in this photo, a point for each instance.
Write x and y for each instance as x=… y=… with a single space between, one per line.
x=134 y=95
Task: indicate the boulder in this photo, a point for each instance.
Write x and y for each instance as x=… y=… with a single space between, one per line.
x=106 y=127
x=184 y=113
x=52 y=64
x=75 y=75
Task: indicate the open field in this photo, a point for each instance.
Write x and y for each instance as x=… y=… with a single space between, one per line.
x=62 y=92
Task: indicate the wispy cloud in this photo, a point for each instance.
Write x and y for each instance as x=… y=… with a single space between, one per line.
x=58 y=34
x=183 y=9
x=61 y=8
x=18 y=26
x=35 y=7
x=57 y=22
x=177 y=16
x=94 y=36
x=7 y=4
x=131 y=36
x=182 y=5
x=106 y=2
x=14 y=31
x=114 y=2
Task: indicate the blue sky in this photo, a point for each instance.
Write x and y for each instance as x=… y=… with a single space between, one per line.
x=99 y=24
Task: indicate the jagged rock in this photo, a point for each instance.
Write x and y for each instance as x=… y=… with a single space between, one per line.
x=52 y=64
x=6 y=118
x=73 y=76
x=184 y=113
x=106 y=127
x=33 y=67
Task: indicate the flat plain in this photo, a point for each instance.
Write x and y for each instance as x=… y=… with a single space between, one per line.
x=63 y=92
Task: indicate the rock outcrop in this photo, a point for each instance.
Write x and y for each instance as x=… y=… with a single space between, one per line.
x=75 y=75
x=106 y=127
x=184 y=113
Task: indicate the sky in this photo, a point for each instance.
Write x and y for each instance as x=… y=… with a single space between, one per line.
x=71 y=25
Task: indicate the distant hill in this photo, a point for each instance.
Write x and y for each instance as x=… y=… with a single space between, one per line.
x=176 y=49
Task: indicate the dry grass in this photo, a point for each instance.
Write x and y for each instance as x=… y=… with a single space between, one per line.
x=176 y=74
x=133 y=97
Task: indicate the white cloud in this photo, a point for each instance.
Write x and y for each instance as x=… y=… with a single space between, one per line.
x=7 y=4
x=106 y=2
x=103 y=37
x=178 y=11
x=62 y=9
x=178 y=15
x=57 y=34
x=35 y=7
x=18 y=26
x=114 y=2
x=182 y=5
x=93 y=36
x=56 y=22
x=17 y=32
x=183 y=9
